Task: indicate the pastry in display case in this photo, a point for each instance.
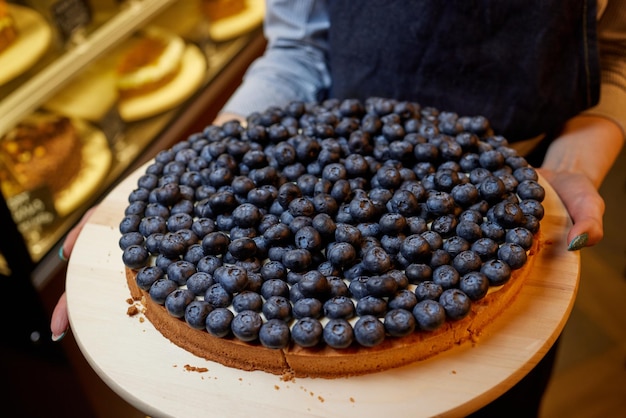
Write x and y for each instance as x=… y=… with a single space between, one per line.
x=24 y=37
x=231 y=18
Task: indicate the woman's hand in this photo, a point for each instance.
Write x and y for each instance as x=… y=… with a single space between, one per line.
x=60 y=323
x=575 y=165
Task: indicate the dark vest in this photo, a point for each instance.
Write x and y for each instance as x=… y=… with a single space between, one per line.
x=526 y=65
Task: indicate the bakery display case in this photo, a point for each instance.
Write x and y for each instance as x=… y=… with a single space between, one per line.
x=89 y=91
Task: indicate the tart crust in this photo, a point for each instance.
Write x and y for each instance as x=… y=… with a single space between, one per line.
x=325 y=361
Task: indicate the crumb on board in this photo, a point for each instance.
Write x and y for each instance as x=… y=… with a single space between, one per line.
x=276 y=387
x=190 y=368
x=321 y=399
x=351 y=399
x=132 y=310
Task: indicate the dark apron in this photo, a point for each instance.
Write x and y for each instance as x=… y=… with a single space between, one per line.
x=527 y=66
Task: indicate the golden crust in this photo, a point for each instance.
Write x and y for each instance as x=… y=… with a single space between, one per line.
x=324 y=361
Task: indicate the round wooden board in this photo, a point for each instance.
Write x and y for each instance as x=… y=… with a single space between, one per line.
x=33 y=38
x=161 y=379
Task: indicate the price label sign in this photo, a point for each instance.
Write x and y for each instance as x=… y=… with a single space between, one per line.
x=32 y=210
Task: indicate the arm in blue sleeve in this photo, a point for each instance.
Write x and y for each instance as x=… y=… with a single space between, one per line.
x=294 y=65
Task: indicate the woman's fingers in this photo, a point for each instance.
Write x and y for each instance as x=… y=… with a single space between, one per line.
x=584 y=205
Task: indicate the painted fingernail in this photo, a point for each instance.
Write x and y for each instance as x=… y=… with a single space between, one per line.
x=578 y=242
x=58 y=337
x=61 y=255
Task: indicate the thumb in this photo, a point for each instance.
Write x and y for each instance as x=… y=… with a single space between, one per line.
x=584 y=205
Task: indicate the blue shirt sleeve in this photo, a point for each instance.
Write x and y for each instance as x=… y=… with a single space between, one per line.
x=294 y=65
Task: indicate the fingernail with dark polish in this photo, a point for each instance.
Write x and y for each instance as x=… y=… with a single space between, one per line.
x=578 y=242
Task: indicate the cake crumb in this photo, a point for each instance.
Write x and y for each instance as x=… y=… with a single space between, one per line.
x=453 y=371
x=130 y=301
x=142 y=319
x=288 y=377
x=351 y=399
x=276 y=387
x=132 y=310
x=190 y=368
x=321 y=399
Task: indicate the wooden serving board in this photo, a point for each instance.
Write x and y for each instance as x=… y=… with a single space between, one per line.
x=161 y=379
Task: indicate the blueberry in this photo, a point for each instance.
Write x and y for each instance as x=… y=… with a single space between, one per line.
x=199 y=282
x=131 y=238
x=160 y=289
x=428 y=290
x=242 y=248
x=399 y=322
x=130 y=223
x=246 y=325
x=475 y=285
x=376 y=260
x=177 y=301
x=277 y=307
x=179 y=221
x=531 y=189
x=217 y=296
x=307 y=332
x=381 y=286
x=274 y=334
x=246 y=215
x=415 y=248
x=512 y=254
x=507 y=214
x=429 y=315
x=469 y=230
x=369 y=331
x=455 y=303
x=341 y=254
x=297 y=259
x=465 y=194
x=339 y=307
x=314 y=284
x=152 y=224
x=440 y=203
x=467 y=261
x=247 y=300
x=493 y=231
x=338 y=333
x=232 y=278
x=338 y=286
x=520 y=236
x=208 y=264
x=492 y=189
x=497 y=271
x=218 y=322
x=135 y=256
x=404 y=299
x=180 y=271
x=532 y=207
x=172 y=245
x=418 y=272
x=446 y=276
x=371 y=305
x=486 y=248
x=308 y=238
x=445 y=225
x=403 y=202
x=307 y=307
x=274 y=287
x=146 y=276
x=194 y=253
x=196 y=314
